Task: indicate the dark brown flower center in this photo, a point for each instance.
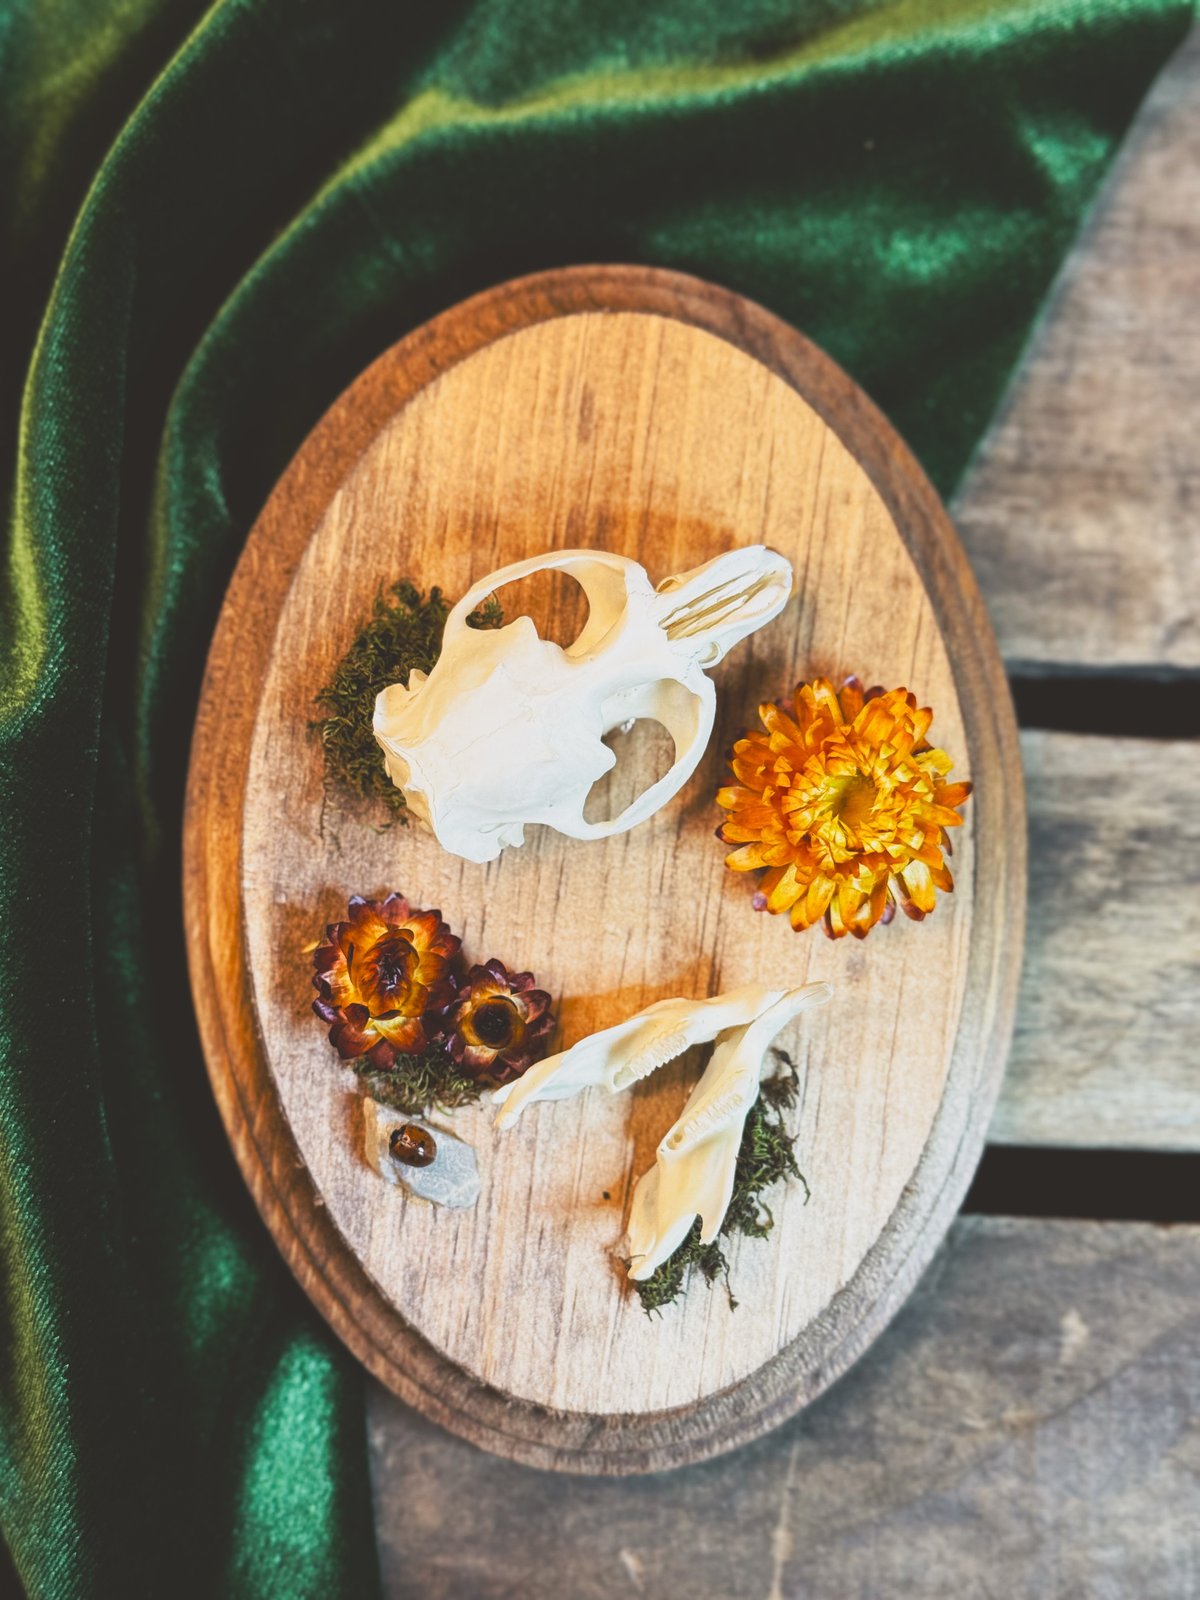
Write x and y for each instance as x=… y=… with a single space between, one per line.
x=386 y=973
x=496 y=1023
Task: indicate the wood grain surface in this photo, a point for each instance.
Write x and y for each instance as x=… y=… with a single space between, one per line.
x=1107 y=1044
x=1030 y=1427
x=1080 y=513
x=668 y=420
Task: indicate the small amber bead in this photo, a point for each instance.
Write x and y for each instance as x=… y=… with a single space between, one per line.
x=412 y=1145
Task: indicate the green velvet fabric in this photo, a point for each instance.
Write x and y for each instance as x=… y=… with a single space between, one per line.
x=210 y=221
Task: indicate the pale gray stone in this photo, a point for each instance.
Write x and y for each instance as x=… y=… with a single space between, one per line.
x=452 y=1178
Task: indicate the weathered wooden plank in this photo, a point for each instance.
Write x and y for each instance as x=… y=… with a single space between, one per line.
x=1080 y=513
x=1029 y=1426
x=1107 y=1042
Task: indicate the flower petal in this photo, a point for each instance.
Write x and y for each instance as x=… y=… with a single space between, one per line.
x=352 y=1037
x=787 y=890
x=406 y=1034
x=537 y=1004
x=382 y=1055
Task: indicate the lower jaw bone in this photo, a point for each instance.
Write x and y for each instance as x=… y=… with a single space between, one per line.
x=695 y=1163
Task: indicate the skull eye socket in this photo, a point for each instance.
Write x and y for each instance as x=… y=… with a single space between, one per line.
x=553 y=600
x=645 y=752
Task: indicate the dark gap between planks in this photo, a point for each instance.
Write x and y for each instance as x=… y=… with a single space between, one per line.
x=1102 y=1185
x=1129 y=705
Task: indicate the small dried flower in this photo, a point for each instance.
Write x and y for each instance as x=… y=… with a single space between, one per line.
x=384 y=980
x=845 y=804
x=500 y=1024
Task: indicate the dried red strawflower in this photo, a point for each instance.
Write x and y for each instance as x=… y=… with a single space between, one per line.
x=499 y=1025
x=384 y=980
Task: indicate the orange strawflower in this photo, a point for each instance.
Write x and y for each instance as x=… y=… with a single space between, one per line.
x=845 y=804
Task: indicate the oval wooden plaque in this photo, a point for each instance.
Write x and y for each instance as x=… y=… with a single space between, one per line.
x=658 y=416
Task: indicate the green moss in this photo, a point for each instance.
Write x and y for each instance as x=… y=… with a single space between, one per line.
x=417 y=1084
x=403 y=634
x=765 y=1157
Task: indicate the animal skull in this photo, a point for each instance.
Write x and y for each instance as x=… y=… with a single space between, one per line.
x=508 y=728
x=694 y=1168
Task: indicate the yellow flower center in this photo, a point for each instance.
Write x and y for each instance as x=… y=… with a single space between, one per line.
x=850 y=799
